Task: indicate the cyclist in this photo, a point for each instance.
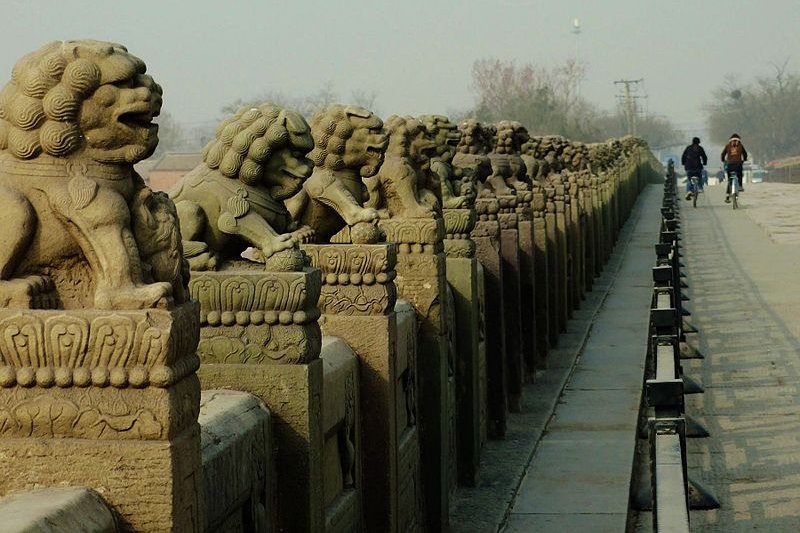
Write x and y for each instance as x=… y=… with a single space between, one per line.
x=694 y=158
x=733 y=157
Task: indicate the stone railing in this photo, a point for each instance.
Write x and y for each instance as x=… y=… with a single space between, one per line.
x=328 y=403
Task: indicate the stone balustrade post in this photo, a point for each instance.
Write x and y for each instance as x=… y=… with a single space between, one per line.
x=464 y=275
x=512 y=286
x=104 y=399
x=358 y=301
x=421 y=280
x=486 y=236
x=260 y=335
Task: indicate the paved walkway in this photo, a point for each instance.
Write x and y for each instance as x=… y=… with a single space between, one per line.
x=566 y=464
x=743 y=269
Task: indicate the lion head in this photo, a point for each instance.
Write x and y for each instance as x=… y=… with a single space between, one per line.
x=264 y=145
x=475 y=139
x=348 y=137
x=444 y=133
x=408 y=138
x=86 y=97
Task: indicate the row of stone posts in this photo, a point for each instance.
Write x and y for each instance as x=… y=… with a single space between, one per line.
x=363 y=302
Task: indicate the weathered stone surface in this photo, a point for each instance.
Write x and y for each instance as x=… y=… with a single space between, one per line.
x=342 y=492
x=402 y=189
x=234 y=198
x=256 y=317
x=238 y=481
x=56 y=510
x=97 y=382
x=487 y=242
x=470 y=364
x=293 y=395
x=385 y=344
x=349 y=145
x=82 y=230
x=358 y=280
x=510 y=253
x=421 y=280
x=386 y=350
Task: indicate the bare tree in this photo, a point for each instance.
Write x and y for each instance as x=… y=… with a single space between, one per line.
x=764 y=111
x=307 y=105
x=171 y=135
x=544 y=99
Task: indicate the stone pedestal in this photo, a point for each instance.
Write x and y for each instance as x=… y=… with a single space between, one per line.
x=486 y=236
x=589 y=253
x=554 y=268
x=260 y=335
x=562 y=279
x=341 y=429
x=527 y=288
x=470 y=346
x=541 y=275
x=358 y=301
x=107 y=400
x=421 y=280
x=512 y=286
x=599 y=230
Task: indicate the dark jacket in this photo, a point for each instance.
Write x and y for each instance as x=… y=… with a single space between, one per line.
x=694 y=157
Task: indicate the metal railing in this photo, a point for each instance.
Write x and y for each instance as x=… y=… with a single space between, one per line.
x=672 y=492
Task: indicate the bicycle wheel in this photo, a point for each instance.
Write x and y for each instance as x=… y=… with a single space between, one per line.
x=735 y=200
x=694 y=199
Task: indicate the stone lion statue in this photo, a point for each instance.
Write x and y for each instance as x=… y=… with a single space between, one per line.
x=401 y=188
x=80 y=227
x=452 y=190
x=471 y=163
x=507 y=165
x=234 y=198
x=349 y=145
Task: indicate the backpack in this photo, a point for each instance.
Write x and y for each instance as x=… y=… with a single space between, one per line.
x=734 y=152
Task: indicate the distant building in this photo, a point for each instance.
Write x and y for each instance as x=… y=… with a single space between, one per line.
x=170 y=168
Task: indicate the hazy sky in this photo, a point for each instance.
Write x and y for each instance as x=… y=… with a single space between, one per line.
x=416 y=54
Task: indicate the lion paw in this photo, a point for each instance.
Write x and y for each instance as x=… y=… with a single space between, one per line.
x=304 y=235
x=154 y=295
x=421 y=211
x=31 y=292
x=366 y=214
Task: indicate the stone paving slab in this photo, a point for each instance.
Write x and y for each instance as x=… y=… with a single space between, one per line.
x=579 y=478
x=743 y=270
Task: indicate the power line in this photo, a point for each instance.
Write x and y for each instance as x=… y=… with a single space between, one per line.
x=629 y=87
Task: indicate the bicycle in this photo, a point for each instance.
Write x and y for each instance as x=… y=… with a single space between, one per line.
x=694 y=189
x=734 y=196
x=695 y=186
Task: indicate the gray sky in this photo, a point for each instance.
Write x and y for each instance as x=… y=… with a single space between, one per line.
x=416 y=54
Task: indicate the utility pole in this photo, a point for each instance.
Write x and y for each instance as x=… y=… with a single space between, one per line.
x=629 y=102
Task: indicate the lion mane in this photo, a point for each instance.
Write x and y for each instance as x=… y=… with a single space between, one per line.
x=245 y=142
x=40 y=106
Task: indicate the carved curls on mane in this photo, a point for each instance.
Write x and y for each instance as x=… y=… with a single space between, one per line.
x=246 y=141
x=331 y=128
x=402 y=131
x=39 y=107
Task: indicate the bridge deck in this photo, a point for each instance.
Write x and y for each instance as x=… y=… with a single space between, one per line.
x=571 y=472
x=743 y=268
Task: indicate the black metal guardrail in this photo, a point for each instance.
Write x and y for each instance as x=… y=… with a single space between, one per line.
x=672 y=492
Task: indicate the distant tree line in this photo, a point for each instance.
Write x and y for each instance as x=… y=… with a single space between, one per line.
x=547 y=101
x=764 y=111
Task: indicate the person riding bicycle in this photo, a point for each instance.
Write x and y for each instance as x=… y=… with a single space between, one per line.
x=694 y=158
x=733 y=157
